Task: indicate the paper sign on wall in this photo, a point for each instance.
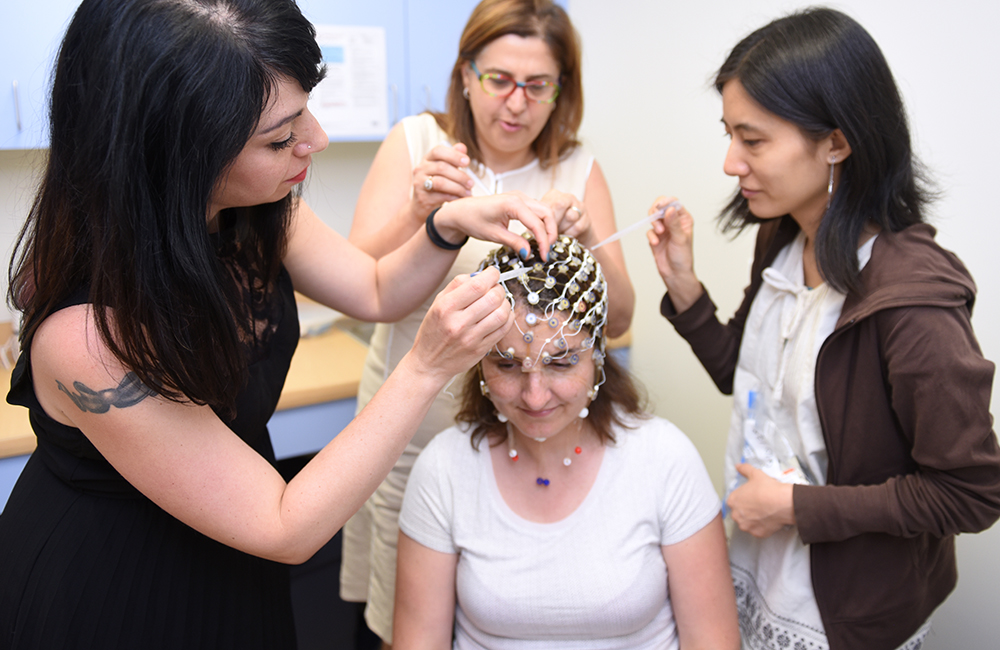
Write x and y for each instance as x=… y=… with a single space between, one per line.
x=351 y=101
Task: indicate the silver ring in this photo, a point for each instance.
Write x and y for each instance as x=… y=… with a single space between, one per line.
x=429 y=183
x=578 y=210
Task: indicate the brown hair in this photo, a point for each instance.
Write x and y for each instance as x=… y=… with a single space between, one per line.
x=492 y=19
x=618 y=396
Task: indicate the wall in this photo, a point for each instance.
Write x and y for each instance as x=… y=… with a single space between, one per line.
x=653 y=122
x=17 y=184
x=652 y=119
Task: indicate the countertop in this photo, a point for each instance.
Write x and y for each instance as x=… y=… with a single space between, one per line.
x=325 y=368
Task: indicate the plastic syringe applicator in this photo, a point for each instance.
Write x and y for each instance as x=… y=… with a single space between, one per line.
x=513 y=274
x=638 y=224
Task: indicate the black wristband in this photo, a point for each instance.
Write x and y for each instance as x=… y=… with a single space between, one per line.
x=436 y=237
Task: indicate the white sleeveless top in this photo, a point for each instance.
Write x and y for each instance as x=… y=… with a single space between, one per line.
x=368 y=570
x=391 y=341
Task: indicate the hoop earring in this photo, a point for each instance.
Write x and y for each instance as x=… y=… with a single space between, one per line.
x=829 y=186
x=465 y=92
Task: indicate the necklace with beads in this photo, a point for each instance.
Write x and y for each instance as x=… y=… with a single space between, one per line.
x=513 y=455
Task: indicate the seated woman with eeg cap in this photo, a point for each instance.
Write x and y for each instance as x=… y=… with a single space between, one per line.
x=573 y=519
x=513 y=112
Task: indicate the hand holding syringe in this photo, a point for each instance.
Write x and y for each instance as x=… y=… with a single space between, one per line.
x=638 y=224
x=615 y=237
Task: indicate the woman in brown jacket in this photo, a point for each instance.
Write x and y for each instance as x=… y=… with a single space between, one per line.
x=861 y=440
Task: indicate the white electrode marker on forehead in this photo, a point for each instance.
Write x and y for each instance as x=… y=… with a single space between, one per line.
x=638 y=224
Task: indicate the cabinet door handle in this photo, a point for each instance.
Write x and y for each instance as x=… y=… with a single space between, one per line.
x=427 y=97
x=395 y=103
x=17 y=106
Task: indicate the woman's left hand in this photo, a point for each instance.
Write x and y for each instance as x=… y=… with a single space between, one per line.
x=571 y=216
x=487 y=217
x=762 y=506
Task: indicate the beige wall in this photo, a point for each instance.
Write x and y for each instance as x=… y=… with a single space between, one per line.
x=17 y=184
x=653 y=123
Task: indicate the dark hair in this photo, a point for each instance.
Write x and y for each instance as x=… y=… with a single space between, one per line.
x=820 y=70
x=152 y=102
x=618 y=395
x=492 y=19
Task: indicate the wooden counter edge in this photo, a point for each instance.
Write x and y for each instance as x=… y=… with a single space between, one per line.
x=325 y=368
x=19 y=445
x=12 y=418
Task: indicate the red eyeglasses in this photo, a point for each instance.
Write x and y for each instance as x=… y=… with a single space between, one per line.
x=497 y=84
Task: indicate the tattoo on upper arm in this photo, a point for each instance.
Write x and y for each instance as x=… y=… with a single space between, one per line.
x=130 y=392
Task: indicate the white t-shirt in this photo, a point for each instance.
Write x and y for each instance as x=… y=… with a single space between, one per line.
x=368 y=571
x=597 y=578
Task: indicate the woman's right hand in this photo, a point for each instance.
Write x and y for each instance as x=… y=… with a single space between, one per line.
x=443 y=168
x=466 y=320
x=488 y=217
x=671 y=241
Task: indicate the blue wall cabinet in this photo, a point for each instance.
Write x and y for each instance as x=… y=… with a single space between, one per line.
x=29 y=46
x=27 y=54
x=434 y=29
x=421 y=46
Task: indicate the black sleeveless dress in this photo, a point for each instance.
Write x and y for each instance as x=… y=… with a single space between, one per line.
x=86 y=561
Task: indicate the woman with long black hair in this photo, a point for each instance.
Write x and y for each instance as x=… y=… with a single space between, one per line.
x=155 y=274
x=861 y=440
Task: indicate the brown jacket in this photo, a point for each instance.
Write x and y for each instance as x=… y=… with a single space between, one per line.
x=903 y=394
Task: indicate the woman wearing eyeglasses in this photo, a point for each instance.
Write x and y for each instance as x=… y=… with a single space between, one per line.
x=513 y=109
